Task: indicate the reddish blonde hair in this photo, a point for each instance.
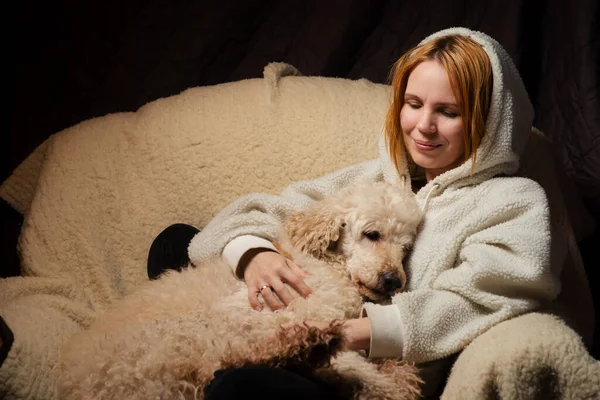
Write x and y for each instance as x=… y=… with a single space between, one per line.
x=470 y=75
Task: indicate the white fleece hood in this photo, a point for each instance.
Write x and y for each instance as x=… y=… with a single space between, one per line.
x=508 y=124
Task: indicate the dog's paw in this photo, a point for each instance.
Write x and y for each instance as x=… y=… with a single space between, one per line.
x=405 y=376
x=355 y=377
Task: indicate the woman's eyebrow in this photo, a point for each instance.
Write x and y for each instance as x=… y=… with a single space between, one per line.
x=447 y=104
x=409 y=96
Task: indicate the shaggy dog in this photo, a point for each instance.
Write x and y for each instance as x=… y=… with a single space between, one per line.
x=168 y=338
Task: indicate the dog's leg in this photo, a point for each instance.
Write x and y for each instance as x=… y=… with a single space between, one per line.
x=301 y=348
x=358 y=378
x=311 y=351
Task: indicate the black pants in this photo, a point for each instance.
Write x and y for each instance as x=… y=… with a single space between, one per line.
x=266 y=383
x=169 y=251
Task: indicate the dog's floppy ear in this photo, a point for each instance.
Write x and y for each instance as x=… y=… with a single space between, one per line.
x=316 y=231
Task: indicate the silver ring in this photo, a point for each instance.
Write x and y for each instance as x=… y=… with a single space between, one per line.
x=264 y=287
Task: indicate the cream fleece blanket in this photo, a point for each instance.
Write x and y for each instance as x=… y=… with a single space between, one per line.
x=94 y=196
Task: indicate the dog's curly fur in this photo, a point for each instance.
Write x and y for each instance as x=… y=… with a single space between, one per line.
x=166 y=339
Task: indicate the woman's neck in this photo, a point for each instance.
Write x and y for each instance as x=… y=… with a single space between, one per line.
x=432 y=173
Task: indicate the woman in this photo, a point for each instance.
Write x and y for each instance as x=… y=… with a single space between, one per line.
x=459 y=119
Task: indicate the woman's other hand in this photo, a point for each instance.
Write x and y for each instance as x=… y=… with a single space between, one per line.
x=266 y=273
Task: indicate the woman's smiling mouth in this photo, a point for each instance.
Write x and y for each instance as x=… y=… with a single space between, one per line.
x=425 y=146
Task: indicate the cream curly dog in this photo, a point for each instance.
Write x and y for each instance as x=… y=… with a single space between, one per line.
x=166 y=339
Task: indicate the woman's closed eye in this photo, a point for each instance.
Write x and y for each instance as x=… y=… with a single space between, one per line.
x=449 y=113
x=413 y=105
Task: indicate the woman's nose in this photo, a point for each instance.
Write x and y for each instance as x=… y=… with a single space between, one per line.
x=426 y=123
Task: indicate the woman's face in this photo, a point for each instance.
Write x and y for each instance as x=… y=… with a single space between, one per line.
x=431 y=120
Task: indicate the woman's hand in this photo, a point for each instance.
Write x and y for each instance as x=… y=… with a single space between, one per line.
x=265 y=275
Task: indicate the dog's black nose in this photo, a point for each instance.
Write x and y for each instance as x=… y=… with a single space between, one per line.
x=390 y=282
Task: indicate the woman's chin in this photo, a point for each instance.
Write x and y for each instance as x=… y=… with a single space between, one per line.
x=431 y=163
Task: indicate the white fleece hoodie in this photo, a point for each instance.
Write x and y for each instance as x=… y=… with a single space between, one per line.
x=482 y=254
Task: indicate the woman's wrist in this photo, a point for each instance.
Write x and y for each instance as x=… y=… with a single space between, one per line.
x=358 y=333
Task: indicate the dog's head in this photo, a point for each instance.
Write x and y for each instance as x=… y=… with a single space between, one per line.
x=368 y=228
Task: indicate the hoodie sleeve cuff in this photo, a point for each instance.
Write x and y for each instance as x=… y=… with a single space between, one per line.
x=387 y=338
x=234 y=250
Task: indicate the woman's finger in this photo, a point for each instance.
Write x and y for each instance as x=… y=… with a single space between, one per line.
x=295 y=268
x=271 y=299
x=282 y=292
x=296 y=279
x=253 y=299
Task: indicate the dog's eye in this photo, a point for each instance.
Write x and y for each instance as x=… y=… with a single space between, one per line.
x=372 y=235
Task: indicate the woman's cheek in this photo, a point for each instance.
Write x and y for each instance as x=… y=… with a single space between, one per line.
x=406 y=120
